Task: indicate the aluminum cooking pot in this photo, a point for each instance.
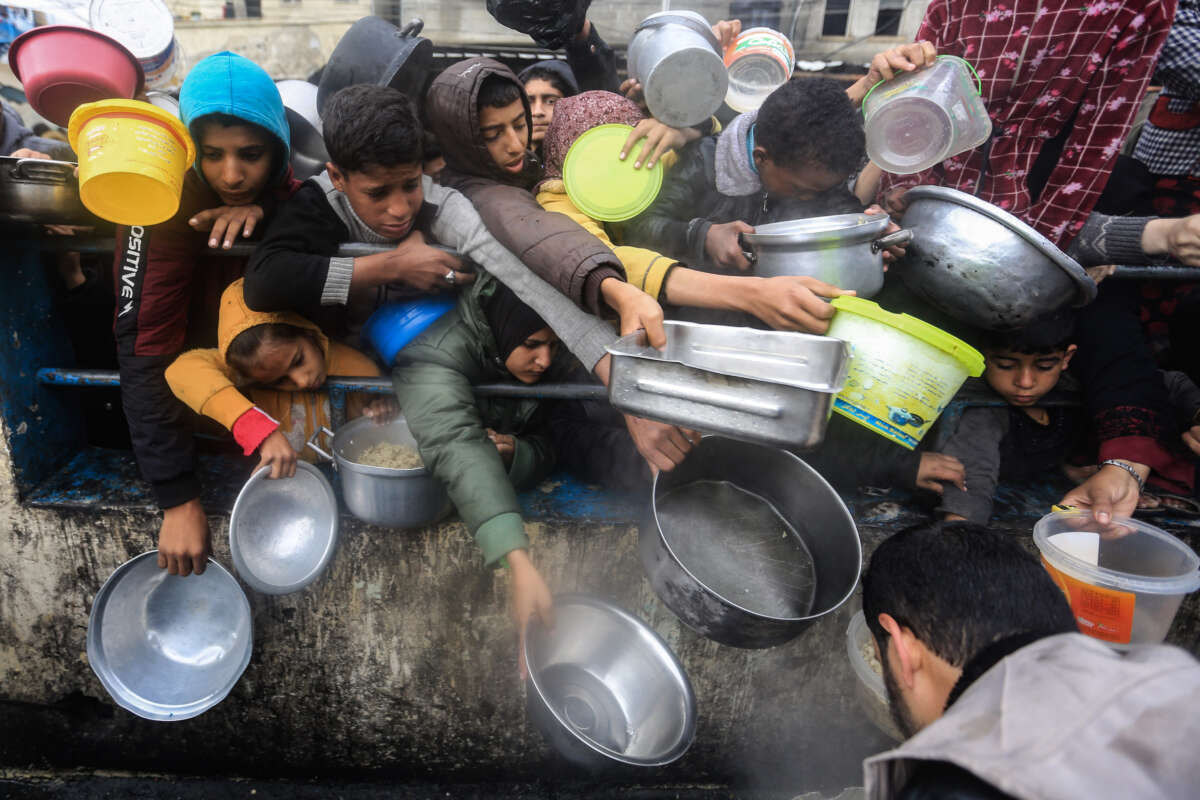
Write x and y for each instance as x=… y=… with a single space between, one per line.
x=747 y=544
x=375 y=51
x=38 y=190
x=982 y=265
x=394 y=498
x=844 y=249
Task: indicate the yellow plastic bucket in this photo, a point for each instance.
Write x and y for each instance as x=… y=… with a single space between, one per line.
x=903 y=371
x=132 y=160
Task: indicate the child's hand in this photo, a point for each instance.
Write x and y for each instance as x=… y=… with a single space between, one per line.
x=184 y=541
x=422 y=267
x=633 y=90
x=529 y=595
x=726 y=30
x=900 y=60
x=382 y=409
x=25 y=152
x=275 y=452
x=660 y=138
x=505 y=445
x=663 y=446
x=793 y=303
x=637 y=310
x=896 y=251
x=722 y=245
x=936 y=468
x=226 y=222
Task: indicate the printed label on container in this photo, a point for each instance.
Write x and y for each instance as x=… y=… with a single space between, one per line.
x=768 y=43
x=1105 y=614
x=875 y=423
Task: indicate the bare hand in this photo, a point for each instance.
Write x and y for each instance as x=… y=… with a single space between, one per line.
x=793 y=303
x=529 y=595
x=1183 y=240
x=382 y=409
x=637 y=310
x=660 y=138
x=424 y=267
x=1111 y=491
x=663 y=446
x=726 y=30
x=68 y=230
x=224 y=223
x=936 y=468
x=277 y=453
x=25 y=152
x=1098 y=274
x=895 y=203
x=505 y=445
x=633 y=90
x=896 y=251
x=184 y=541
x=722 y=245
x=902 y=59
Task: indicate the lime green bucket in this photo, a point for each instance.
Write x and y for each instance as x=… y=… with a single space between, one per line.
x=902 y=371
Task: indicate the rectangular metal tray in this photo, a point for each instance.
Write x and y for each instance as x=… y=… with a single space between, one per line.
x=760 y=386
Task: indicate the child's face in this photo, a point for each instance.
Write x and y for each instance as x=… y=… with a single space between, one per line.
x=292 y=365
x=235 y=161
x=530 y=360
x=797 y=183
x=1023 y=379
x=542 y=97
x=506 y=135
x=387 y=199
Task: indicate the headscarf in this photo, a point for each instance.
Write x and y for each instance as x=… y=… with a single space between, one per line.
x=575 y=116
x=511 y=321
x=560 y=69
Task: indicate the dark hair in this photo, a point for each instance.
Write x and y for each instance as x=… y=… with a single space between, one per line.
x=960 y=587
x=40 y=128
x=551 y=77
x=430 y=147
x=812 y=121
x=1046 y=335
x=368 y=125
x=201 y=124
x=243 y=350
x=498 y=91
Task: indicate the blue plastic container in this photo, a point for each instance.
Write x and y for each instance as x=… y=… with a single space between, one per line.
x=393 y=326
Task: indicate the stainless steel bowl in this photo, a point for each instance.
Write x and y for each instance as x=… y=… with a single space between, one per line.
x=605 y=689
x=982 y=265
x=169 y=648
x=42 y=191
x=282 y=532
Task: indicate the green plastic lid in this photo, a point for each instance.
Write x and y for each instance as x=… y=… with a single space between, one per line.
x=603 y=186
x=968 y=356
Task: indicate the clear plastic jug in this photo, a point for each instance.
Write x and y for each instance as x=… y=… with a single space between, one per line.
x=920 y=119
x=760 y=60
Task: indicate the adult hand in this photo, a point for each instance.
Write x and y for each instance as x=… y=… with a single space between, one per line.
x=184 y=541
x=1111 y=491
x=382 y=409
x=792 y=302
x=936 y=468
x=637 y=310
x=722 y=245
x=529 y=595
x=424 y=267
x=663 y=446
x=726 y=30
x=632 y=89
x=660 y=138
x=25 y=152
x=1183 y=240
x=277 y=453
x=505 y=445
x=224 y=223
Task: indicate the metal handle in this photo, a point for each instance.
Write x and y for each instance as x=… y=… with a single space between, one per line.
x=755 y=407
x=750 y=254
x=899 y=237
x=413 y=28
x=40 y=169
x=312 y=444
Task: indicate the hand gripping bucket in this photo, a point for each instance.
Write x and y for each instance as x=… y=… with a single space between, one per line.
x=132 y=160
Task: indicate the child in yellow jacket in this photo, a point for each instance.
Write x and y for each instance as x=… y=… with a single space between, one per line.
x=282 y=359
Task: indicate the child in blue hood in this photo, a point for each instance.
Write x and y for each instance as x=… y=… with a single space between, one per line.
x=169 y=278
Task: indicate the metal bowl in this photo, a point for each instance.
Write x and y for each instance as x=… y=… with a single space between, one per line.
x=165 y=647
x=308 y=153
x=605 y=689
x=982 y=265
x=282 y=532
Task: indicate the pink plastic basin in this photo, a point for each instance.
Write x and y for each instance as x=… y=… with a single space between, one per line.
x=61 y=67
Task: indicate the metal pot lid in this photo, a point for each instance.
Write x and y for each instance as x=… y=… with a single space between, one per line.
x=1085 y=285
x=688 y=19
x=839 y=228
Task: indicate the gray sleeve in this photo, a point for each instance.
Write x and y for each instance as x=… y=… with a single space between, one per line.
x=976 y=443
x=458 y=225
x=1106 y=239
x=336 y=291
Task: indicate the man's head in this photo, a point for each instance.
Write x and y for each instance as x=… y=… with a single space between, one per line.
x=236 y=157
x=808 y=139
x=504 y=123
x=936 y=595
x=1023 y=366
x=374 y=141
x=546 y=84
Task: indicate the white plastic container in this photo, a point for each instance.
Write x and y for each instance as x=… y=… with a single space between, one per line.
x=917 y=120
x=872 y=695
x=760 y=60
x=1125 y=584
x=147 y=29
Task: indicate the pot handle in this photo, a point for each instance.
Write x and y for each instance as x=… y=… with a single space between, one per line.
x=746 y=406
x=899 y=237
x=747 y=249
x=40 y=169
x=312 y=444
x=413 y=28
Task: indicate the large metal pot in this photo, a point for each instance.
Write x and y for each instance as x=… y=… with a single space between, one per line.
x=982 y=265
x=678 y=60
x=755 y=547
x=38 y=190
x=845 y=249
x=393 y=498
x=375 y=51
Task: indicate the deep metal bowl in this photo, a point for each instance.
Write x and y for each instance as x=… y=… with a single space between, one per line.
x=282 y=532
x=605 y=689
x=165 y=647
x=982 y=265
